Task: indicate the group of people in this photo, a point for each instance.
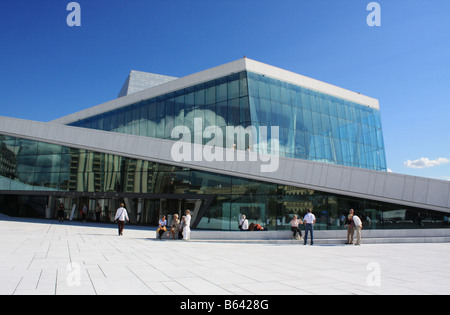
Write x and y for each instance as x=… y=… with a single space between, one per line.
x=181 y=229
x=309 y=220
x=245 y=226
x=353 y=224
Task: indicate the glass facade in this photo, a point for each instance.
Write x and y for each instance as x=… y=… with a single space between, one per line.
x=31 y=172
x=316 y=126
x=222 y=102
x=312 y=125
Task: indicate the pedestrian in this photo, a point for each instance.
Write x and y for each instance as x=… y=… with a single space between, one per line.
x=121 y=216
x=182 y=225
x=309 y=220
x=162 y=226
x=175 y=227
x=243 y=223
x=350 y=227
x=187 y=226
x=358 y=228
x=61 y=212
x=84 y=212
x=98 y=212
x=294 y=227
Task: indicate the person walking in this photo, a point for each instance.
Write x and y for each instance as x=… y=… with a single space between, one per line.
x=358 y=227
x=350 y=227
x=187 y=226
x=295 y=222
x=309 y=220
x=121 y=216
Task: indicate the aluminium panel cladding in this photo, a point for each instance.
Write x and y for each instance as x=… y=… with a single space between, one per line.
x=139 y=81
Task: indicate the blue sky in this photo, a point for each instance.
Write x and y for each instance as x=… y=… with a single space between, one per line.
x=49 y=69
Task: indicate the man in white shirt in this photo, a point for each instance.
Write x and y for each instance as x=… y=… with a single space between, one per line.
x=309 y=220
x=243 y=223
x=358 y=226
x=121 y=216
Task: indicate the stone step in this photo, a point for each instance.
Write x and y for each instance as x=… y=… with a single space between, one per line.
x=377 y=240
x=325 y=237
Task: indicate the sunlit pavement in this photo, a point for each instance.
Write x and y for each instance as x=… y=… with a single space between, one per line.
x=46 y=257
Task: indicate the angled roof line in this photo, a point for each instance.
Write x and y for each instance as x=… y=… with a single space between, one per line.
x=217 y=72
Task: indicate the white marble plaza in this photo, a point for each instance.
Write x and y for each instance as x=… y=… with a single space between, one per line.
x=49 y=258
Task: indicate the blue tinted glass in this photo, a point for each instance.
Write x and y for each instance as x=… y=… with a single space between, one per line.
x=255 y=111
x=200 y=95
x=295 y=96
x=264 y=88
x=270 y=102
x=253 y=85
x=245 y=116
x=288 y=118
x=222 y=113
x=265 y=112
x=234 y=112
x=152 y=110
x=233 y=86
x=275 y=92
x=277 y=115
x=316 y=123
x=160 y=109
x=221 y=92
x=210 y=93
x=285 y=93
x=243 y=84
x=307 y=121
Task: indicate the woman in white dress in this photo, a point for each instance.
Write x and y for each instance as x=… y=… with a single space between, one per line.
x=187 y=226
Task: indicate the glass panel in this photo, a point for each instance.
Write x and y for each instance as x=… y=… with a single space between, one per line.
x=276 y=116
x=265 y=112
x=200 y=95
x=245 y=116
x=233 y=86
x=234 y=112
x=243 y=84
x=221 y=91
x=210 y=94
x=264 y=89
x=288 y=118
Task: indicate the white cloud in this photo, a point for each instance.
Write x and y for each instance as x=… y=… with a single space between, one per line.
x=426 y=162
